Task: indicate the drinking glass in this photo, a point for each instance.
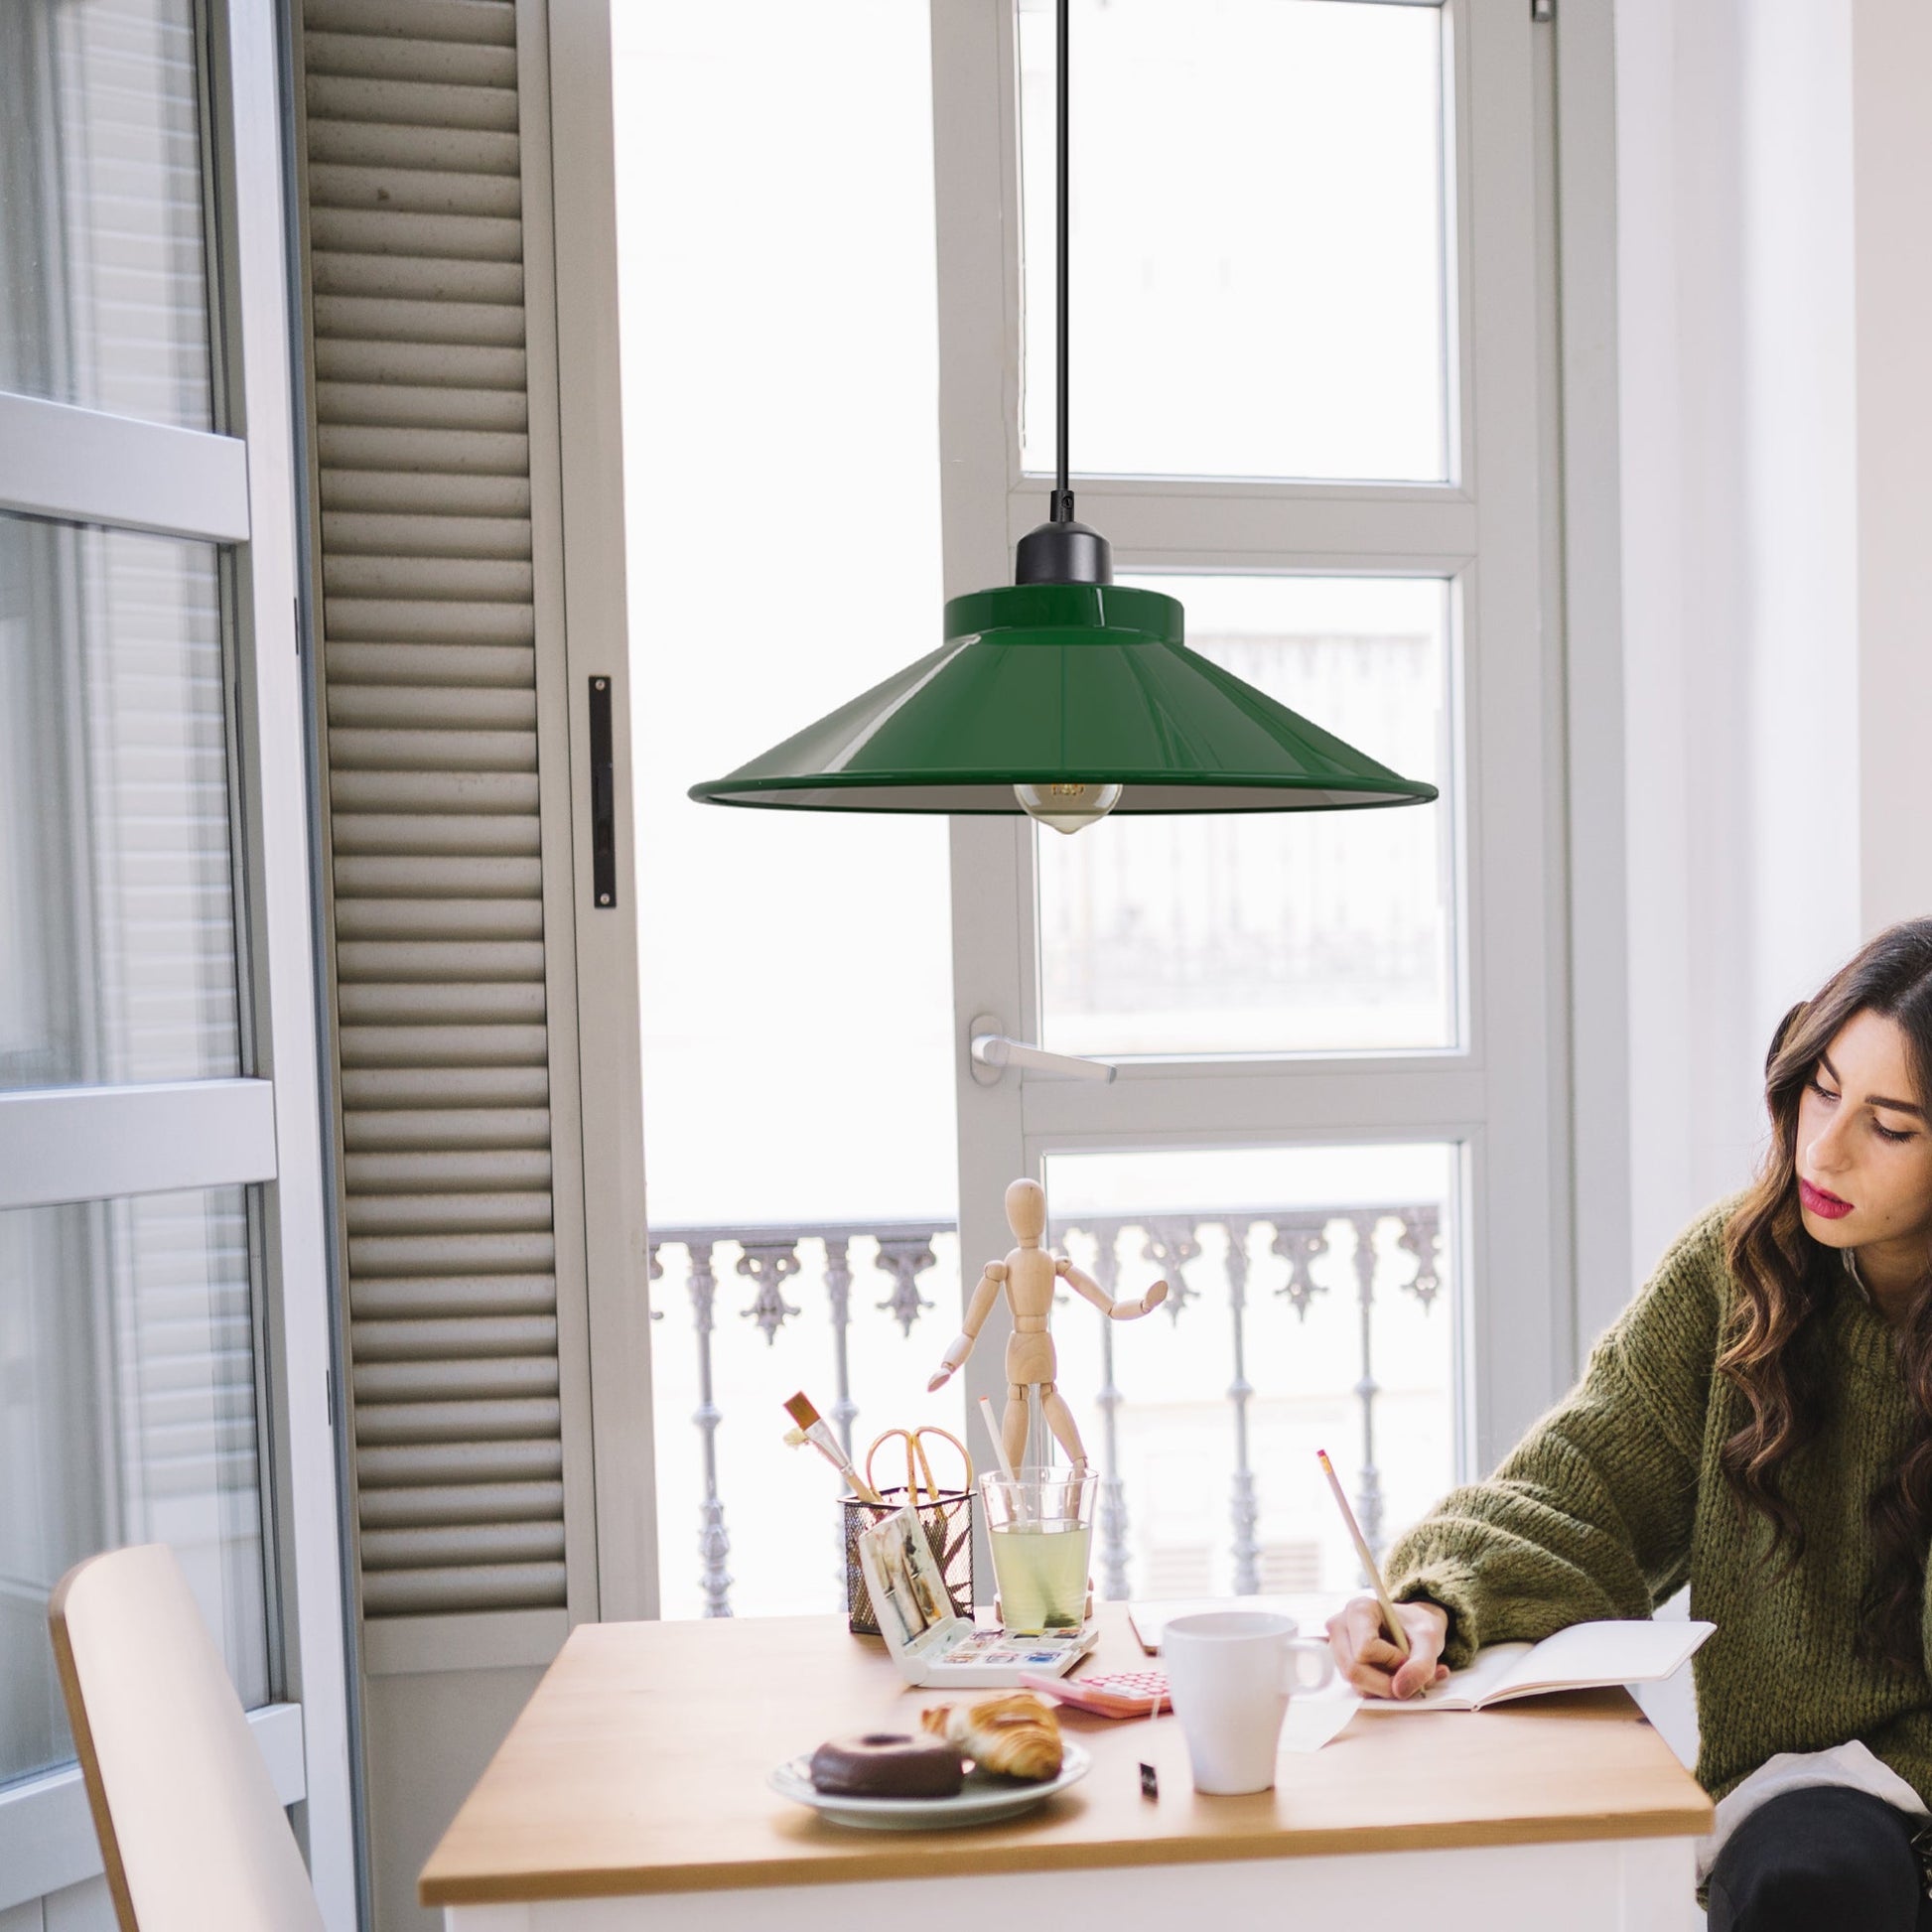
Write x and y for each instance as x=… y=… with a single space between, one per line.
x=1040 y=1528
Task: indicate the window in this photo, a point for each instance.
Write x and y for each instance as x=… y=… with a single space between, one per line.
x=161 y=1243
x=1305 y=403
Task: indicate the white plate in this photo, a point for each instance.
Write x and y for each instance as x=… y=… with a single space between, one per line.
x=985 y=1800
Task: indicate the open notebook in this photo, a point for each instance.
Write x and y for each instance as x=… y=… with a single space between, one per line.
x=1584 y=1657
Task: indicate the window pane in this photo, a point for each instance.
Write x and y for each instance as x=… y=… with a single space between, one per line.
x=104 y=270
x=1298 y=931
x=796 y=968
x=117 y=927
x=1274 y=1252
x=127 y=1415
x=1258 y=212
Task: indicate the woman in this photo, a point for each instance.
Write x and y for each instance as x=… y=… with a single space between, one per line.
x=1758 y=1424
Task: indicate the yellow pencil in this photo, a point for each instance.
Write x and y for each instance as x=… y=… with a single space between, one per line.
x=1396 y=1635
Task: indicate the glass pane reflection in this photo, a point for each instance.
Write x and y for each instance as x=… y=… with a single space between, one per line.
x=1300 y=931
x=103 y=261
x=117 y=921
x=1257 y=238
x=127 y=1415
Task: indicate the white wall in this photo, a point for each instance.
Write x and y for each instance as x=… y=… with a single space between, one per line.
x=1742 y=672
x=1891 y=81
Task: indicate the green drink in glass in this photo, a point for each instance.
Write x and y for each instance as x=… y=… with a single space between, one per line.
x=1040 y=1529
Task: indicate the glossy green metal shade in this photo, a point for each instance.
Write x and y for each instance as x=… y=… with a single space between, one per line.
x=1063 y=683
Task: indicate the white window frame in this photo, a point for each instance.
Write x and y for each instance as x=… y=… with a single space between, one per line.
x=1503 y=1093
x=235 y=489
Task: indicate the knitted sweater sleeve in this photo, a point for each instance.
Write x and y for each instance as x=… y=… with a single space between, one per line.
x=1589 y=1515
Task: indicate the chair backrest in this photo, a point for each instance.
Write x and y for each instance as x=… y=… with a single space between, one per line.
x=193 y=1834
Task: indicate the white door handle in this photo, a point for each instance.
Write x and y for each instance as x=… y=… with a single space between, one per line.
x=993 y=1051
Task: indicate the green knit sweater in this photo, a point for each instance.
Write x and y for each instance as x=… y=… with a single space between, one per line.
x=1614 y=1500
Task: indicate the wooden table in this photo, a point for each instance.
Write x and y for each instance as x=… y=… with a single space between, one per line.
x=631 y=1796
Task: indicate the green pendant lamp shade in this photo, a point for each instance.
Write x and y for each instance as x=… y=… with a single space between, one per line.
x=1056 y=685
x=1064 y=695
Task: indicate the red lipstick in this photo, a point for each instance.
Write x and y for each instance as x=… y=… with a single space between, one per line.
x=1815 y=1200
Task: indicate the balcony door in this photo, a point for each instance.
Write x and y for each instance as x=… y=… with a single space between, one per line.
x=1306 y=401
x=1303 y=401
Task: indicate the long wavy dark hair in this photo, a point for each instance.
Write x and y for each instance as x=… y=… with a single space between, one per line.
x=1773 y=1349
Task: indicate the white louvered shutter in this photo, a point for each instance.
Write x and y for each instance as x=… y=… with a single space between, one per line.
x=420 y=424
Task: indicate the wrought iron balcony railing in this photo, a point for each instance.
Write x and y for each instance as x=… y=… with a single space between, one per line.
x=769 y=1258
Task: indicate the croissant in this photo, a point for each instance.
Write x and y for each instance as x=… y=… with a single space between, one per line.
x=1016 y=1735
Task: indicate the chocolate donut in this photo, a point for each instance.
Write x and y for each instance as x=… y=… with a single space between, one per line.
x=888 y=1764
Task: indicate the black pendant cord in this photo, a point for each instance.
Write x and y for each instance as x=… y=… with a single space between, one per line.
x=1063 y=509
x=1062 y=550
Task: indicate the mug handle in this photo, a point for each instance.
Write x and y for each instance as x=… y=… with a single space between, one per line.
x=1297 y=1650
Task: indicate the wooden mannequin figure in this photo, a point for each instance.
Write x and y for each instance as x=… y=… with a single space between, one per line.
x=1029 y=1276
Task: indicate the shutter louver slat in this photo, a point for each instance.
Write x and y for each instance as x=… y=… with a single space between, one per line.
x=433 y=751
x=487 y=1503
x=425 y=1216
x=474 y=452
x=406 y=1297
x=478 y=23
x=462 y=1589
x=413 y=1466
x=505 y=1542
x=427 y=962
x=445 y=365
x=429 y=687
x=465 y=63
x=446 y=1422
x=426 y=537
x=515 y=1378
x=458 y=1336
x=382 y=318
x=452 y=1136
x=441 y=279
x=488 y=1004
x=448 y=1086
x=444 y=832
x=426 y=406
x=427 y=191
x=373 y=100
x=403 y=231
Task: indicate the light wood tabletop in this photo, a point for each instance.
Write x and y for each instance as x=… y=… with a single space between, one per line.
x=639 y=1766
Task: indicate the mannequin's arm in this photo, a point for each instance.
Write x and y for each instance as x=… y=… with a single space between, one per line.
x=1085 y=1286
x=977 y=1309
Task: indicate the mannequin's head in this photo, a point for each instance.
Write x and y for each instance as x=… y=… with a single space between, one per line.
x=1026 y=1211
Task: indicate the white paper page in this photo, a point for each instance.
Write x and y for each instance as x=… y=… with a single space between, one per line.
x=1491 y=1667
x=1632 y=1650
x=1317 y=1717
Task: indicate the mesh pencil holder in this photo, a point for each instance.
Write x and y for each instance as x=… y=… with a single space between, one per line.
x=947 y=1521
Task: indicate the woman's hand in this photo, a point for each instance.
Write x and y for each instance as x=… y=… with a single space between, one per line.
x=1373 y=1664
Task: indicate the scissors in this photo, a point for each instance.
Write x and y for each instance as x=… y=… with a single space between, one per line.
x=920 y=1476
x=918 y=1466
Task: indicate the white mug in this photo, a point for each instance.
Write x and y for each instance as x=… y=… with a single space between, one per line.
x=1231 y=1673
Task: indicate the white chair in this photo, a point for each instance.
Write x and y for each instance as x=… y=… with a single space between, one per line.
x=193 y=1834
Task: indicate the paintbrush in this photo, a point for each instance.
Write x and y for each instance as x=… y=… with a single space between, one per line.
x=815 y=1430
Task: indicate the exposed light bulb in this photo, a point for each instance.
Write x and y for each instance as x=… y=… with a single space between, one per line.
x=1067 y=807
